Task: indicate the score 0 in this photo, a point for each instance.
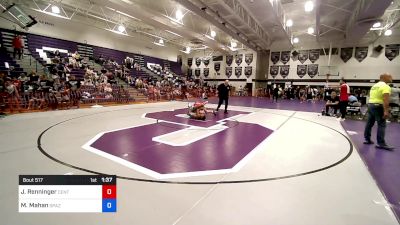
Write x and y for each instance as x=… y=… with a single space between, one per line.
x=109 y=194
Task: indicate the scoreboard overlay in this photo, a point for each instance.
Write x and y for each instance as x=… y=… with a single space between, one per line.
x=67 y=193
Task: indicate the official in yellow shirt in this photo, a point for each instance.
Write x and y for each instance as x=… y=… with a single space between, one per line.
x=378 y=110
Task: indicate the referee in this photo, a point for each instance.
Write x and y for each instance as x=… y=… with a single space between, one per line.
x=223 y=94
x=378 y=110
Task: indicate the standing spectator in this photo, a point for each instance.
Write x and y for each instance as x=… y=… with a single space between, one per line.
x=223 y=94
x=302 y=95
x=344 y=98
x=310 y=95
x=22 y=46
x=13 y=95
x=275 y=93
x=378 y=110
x=17 y=45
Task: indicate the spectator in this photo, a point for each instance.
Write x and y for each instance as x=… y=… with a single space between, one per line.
x=73 y=89
x=108 y=91
x=36 y=99
x=302 y=95
x=275 y=93
x=17 y=45
x=333 y=102
x=13 y=95
x=22 y=46
x=352 y=99
x=394 y=96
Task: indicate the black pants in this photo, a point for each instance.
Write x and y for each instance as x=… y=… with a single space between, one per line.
x=222 y=99
x=275 y=97
x=335 y=108
x=343 y=108
x=375 y=113
x=17 y=51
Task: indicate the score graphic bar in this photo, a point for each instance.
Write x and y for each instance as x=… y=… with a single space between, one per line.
x=67 y=193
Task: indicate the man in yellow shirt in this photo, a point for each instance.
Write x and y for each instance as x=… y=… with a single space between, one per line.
x=378 y=110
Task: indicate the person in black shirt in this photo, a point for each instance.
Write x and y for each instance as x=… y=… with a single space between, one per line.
x=333 y=102
x=223 y=94
x=275 y=94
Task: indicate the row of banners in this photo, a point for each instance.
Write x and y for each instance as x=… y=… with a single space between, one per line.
x=248 y=58
x=360 y=53
x=302 y=70
x=248 y=70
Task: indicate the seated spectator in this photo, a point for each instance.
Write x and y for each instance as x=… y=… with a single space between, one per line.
x=36 y=100
x=394 y=96
x=57 y=54
x=332 y=102
x=76 y=56
x=101 y=59
x=352 y=99
x=52 y=101
x=44 y=83
x=108 y=91
x=157 y=94
x=73 y=89
x=103 y=79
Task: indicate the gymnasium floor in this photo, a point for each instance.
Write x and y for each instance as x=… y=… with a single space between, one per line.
x=262 y=163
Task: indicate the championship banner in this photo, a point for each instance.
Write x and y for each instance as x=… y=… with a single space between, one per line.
x=361 y=53
x=238 y=59
x=312 y=70
x=392 y=51
x=229 y=60
x=346 y=54
x=190 y=62
x=248 y=71
x=217 y=66
x=273 y=70
x=206 y=72
x=275 y=57
x=228 y=71
x=303 y=56
x=285 y=56
x=284 y=71
x=248 y=58
x=198 y=62
x=238 y=71
x=314 y=55
x=197 y=72
x=206 y=62
x=301 y=70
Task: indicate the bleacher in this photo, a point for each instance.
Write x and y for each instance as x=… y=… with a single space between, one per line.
x=15 y=72
x=37 y=43
x=107 y=53
x=7 y=38
x=42 y=50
